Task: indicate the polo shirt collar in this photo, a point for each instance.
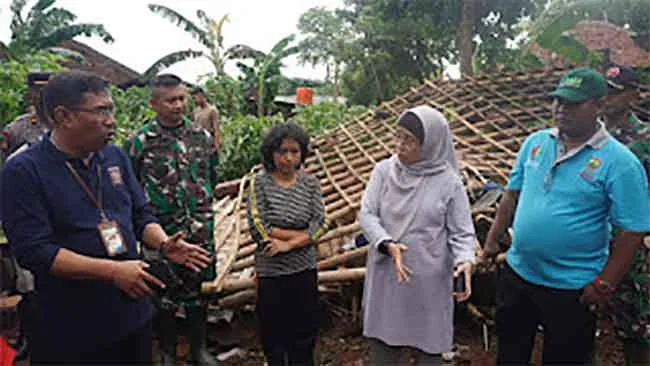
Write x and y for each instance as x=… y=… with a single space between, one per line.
x=596 y=141
x=59 y=156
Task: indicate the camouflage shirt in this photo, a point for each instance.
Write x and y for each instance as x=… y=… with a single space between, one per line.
x=177 y=168
x=630 y=304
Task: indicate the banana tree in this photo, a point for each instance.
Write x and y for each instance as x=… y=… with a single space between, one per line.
x=208 y=32
x=45 y=27
x=264 y=76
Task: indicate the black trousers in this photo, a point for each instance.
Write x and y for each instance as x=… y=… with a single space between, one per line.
x=135 y=349
x=569 y=326
x=288 y=318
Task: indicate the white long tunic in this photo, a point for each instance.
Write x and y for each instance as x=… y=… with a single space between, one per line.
x=419 y=313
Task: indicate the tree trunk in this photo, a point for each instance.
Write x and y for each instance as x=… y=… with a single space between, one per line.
x=465 y=39
x=337 y=81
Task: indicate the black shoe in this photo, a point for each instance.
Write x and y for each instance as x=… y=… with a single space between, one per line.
x=21 y=347
x=167 y=338
x=197 y=321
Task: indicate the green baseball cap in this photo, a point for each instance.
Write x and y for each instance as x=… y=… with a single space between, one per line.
x=580 y=84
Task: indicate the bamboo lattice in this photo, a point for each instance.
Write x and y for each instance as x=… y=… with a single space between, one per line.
x=489 y=116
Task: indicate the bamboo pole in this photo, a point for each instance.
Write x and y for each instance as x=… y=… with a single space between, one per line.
x=324 y=277
x=342 y=258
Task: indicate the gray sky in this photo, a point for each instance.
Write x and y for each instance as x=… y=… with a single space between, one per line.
x=141 y=37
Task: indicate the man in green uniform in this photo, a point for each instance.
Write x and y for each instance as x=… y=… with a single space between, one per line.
x=176 y=163
x=630 y=304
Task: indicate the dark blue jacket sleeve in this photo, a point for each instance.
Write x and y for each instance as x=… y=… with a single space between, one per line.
x=25 y=217
x=142 y=210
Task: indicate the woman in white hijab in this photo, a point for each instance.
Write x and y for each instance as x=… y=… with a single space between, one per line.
x=416 y=217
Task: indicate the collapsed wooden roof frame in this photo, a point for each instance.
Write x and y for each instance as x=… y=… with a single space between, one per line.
x=489 y=116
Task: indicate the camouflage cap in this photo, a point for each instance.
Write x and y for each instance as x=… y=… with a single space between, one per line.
x=621 y=78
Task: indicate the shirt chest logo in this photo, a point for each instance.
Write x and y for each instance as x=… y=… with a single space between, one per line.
x=534 y=158
x=115 y=174
x=590 y=169
x=535 y=152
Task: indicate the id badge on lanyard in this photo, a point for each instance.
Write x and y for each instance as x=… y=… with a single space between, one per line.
x=112 y=238
x=109 y=230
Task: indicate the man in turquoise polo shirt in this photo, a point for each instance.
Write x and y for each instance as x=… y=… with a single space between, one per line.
x=566 y=186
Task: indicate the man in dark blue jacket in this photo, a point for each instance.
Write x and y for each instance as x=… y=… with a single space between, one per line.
x=73 y=213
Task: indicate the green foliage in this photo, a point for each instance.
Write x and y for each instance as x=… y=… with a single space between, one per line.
x=225 y=93
x=262 y=79
x=241 y=138
x=288 y=86
x=550 y=26
x=319 y=118
x=497 y=24
x=209 y=32
x=132 y=111
x=169 y=60
x=46 y=26
x=381 y=48
x=13 y=78
x=327 y=41
x=187 y=25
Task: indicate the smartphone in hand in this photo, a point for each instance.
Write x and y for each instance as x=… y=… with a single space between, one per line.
x=459 y=283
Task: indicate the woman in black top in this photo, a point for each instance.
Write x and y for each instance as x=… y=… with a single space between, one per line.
x=286 y=217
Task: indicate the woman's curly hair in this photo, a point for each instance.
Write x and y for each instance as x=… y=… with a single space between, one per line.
x=274 y=138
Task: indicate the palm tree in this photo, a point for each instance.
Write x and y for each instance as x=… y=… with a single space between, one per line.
x=208 y=32
x=264 y=76
x=44 y=28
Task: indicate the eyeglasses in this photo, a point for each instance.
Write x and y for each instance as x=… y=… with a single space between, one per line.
x=99 y=111
x=407 y=141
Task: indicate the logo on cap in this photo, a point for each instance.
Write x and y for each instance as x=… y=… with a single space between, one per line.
x=572 y=82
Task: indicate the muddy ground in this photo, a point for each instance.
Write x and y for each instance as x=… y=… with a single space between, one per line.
x=341 y=342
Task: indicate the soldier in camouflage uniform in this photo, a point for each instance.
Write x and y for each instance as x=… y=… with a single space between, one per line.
x=176 y=163
x=630 y=304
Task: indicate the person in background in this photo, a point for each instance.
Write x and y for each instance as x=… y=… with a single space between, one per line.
x=629 y=306
x=16 y=137
x=27 y=128
x=567 y=185
x=176 y=163
x=417 y=219
x=286 y=218
x=73 y=213
x=207 y=116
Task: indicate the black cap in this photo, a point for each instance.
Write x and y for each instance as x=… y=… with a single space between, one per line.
x=621 y=78
x=38 y=79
